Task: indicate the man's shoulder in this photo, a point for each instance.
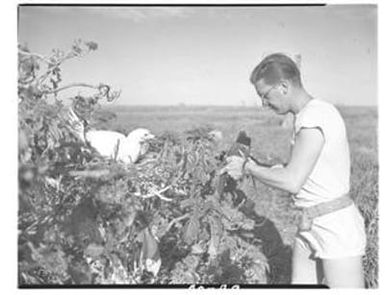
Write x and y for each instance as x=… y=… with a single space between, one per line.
x=322 y=107
x=316 y=102
x=319 y=112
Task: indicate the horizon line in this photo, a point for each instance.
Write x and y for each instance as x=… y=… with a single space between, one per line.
x=217 y=105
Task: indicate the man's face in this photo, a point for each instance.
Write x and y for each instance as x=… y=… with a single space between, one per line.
x=273 y=96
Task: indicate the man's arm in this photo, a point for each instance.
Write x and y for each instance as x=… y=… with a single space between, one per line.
x=305 y=153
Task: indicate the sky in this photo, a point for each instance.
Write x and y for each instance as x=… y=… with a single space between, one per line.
x=204 y=55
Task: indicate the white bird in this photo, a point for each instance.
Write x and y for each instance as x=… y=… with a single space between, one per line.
x=115 y=145
x=110 y=143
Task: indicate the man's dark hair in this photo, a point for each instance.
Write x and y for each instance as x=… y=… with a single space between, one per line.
x=275 y=67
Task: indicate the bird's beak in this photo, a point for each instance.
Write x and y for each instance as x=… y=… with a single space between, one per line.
x=147 y=138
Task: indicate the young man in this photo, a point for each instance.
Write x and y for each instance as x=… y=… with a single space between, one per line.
x=332 y=232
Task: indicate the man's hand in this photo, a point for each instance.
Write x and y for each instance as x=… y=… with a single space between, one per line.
x=234 y=167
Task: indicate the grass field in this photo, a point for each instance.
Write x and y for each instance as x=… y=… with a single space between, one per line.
x=270 y=142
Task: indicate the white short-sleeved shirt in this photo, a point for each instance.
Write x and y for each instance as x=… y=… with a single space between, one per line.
x=330 y=177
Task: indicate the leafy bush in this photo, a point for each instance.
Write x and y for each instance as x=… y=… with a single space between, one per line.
x=84 y=219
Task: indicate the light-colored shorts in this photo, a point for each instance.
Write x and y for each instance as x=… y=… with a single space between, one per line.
x=335 y=235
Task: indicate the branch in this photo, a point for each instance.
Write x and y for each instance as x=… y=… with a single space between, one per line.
x=39 y=56
x=162 y=197
x=71 y=86
x=55 y=64
x=90 y=173
x=158 y=194
x=175 y=220
x=104 y=90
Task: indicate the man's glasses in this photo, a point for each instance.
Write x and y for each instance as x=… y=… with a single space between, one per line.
x=263 y=96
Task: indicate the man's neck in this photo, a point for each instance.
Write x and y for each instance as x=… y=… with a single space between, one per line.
x=300 y=99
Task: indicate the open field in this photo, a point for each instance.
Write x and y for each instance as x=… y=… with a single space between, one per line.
x=270 y=142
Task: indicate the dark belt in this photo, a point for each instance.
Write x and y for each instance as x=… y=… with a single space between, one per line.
x=307 y=214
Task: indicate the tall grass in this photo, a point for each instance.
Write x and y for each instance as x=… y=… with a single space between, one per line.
x=362 y=132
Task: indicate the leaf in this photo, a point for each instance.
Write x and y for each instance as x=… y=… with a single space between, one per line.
x=212 y=250
x=94 y=250
x=153 y=266
x=186 y=203
x=197 y=249
x=192 y=230
x=208 y=205
x=92 y=45
x=150 y=247
x=129 y=219
x=54 y=260
x=200 y=175
x=216 y=235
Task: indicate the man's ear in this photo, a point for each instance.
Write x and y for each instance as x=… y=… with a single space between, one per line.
x=284 y=86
